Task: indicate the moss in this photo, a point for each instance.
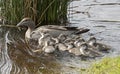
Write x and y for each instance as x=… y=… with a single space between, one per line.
x=105 y=66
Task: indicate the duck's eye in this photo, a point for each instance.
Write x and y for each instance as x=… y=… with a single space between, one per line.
x=26 y=20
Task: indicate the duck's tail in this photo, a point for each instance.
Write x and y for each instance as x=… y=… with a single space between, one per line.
x=82 y=30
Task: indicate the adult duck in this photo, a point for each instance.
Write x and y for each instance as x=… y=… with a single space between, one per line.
x=35 y=33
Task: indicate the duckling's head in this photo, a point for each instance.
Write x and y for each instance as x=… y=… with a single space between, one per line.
x=83 y=48
x=62 y=36
x=80 y=41
x=92 y=41
x=47 y=36
x=26 y=22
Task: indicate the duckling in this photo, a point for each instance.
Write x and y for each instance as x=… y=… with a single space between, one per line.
x=101 y=47
x=69 y=40
x=78 y=42
x=44 y=37
x=69 y=45
x=42 y=41
x=81 y=50
x=62 y=47
x=62 y=37
x=48 y=48
x=53 y=30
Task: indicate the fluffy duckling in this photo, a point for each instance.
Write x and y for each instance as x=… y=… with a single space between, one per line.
x=42 y=41
x=101 y=47
x=62 y=47
x=81 y=50
x=69 y=45
x=84 y=50
x=62 y=37
x=78 y=42
x=48 y=48
x=44 y=37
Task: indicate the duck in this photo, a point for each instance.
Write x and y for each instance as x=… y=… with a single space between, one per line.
x=78 y=42
x=48 y=48
x=96 y=45
x=61 y=47
x=34 y=33
x=69 y=45
x=81 y=50
x=46 y=43
x=62 y=37
x=44 y=37
x=42 y=42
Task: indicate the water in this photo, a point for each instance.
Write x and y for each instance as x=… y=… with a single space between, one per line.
x=102 y=20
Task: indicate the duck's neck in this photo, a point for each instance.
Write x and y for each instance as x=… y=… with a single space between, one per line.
x=82 y=50
x=28 y=33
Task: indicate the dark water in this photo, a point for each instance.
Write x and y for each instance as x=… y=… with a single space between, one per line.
x=101 y=17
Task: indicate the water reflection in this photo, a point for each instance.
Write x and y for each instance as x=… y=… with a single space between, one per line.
x=16 y=57
x=6 y=64
x=103 y=21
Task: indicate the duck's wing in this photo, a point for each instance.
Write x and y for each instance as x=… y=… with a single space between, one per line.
x=57 y=30
x=67 y=28
x=77 y=30
x=54 y=27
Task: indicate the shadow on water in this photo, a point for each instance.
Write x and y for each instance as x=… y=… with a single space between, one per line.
x=16 y=56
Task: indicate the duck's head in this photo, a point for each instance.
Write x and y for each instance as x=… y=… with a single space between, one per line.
x=62 y=36
x=83 y=48
x=92 y=41
x=26 y=22
x=81 y=40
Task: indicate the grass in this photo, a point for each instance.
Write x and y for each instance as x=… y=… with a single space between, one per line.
x=105 y=66
x=41 y=11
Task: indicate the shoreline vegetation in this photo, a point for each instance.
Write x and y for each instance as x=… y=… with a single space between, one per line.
x=41 y=11
x=105 y=66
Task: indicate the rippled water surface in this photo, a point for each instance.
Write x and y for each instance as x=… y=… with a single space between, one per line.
x=102 y=17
